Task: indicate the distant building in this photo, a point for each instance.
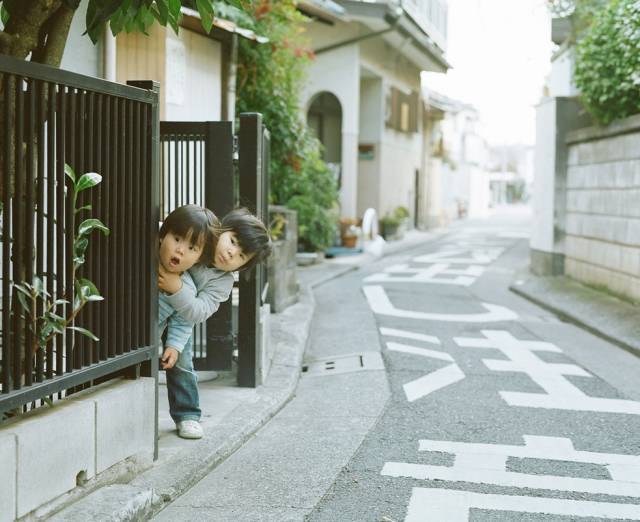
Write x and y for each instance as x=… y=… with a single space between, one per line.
x=455 y=162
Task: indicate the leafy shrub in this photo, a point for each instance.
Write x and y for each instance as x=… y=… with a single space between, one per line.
x=270 y=78
x=607 y=70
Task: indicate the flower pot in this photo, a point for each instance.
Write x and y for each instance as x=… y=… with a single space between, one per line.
x=349 y=241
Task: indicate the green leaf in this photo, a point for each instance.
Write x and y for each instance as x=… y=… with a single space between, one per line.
x=86 y=283
x=88 y=180
x=70 y=173
x=25 y=288
x=85 y=207
x=206 y=14
x=90 y=224
x=4 y=15
x=23 y=302
x=163 y=11
x=84 y=331
x=80 y=246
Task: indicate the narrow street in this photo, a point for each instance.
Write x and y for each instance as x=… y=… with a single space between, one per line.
x=432 y=392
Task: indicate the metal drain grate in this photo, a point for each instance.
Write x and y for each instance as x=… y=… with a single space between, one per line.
x=353 y=362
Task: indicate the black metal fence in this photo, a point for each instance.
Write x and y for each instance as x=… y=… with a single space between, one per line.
x=49 y=118
x=197 y=167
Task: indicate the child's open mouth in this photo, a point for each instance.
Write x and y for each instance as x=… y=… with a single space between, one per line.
x=174 y=261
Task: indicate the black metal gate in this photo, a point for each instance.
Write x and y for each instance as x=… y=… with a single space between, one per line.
x=196 y=161
x=197 y=165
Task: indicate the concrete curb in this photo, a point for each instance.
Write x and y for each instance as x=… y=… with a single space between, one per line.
x=601 y=314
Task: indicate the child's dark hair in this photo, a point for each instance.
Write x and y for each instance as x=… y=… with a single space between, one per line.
x=253 y=237
x=194 y=220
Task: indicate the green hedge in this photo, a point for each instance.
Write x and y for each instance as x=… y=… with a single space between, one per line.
x=607 y=70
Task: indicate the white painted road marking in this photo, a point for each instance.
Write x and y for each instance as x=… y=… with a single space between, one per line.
x=405 y=334
x=380 y=304
x=477 y=256
x=435 y=504
x=433 y=381
x=486 y=464
x=424 y=352
x=430 y=275
x=561 y=393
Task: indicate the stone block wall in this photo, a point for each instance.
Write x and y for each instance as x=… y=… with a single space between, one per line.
x=602 y=244
x=48 y=452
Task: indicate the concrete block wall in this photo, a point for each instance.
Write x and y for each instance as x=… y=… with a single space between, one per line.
x=48 y=452
x=602 y=245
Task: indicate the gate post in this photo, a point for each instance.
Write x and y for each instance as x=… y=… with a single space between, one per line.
x=218 y=194
x=253 y=151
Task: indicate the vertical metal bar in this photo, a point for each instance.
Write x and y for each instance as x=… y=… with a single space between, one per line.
x=7 y=338
x=218 y=195
x=250 y=163
x=53 y=346
x=70 y=139
x=41 y=97
x=97 y=112
x=18 y=235
x=105 y=244
x=138 y=238
x=127 y=224
x=29 y=209
x=146 y=198
x=61 y=281
x=121 y=244
x=176 y=176
x=87 y=104
x=83 y=344
x=115 y=233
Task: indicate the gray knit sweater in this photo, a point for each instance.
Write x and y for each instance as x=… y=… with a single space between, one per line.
x=213 y=287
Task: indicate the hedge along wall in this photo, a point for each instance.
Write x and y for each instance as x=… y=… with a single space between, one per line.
x=603 y=207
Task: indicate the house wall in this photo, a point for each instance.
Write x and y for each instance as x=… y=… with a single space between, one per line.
x=371 y=122
x=139 y=56
x=80 y=54
x=560 y=79
x=400 y=153
x=338 y=72
x=602 y=212
x=193 y=77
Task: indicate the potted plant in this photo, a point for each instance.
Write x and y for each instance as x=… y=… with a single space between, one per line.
x=349 y=232
x=393 y=224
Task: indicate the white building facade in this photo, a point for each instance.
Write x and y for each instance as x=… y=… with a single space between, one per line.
x=363 y=97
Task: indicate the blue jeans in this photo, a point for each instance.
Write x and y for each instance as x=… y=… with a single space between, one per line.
x=182 y=387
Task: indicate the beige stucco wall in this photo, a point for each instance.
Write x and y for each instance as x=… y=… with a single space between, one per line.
x=602 y=245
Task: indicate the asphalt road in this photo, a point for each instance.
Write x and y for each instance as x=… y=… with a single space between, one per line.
x=509 y=415
x=433 y=393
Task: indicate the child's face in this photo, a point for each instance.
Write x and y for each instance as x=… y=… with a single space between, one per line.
x=228 y=255
x=178 y=253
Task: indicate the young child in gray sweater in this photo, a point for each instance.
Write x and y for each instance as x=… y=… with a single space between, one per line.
x=238 y=242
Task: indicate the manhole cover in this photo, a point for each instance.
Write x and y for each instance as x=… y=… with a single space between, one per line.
x=352 y=362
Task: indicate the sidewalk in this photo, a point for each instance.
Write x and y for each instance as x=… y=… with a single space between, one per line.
x=231 y=414
x=598 y=312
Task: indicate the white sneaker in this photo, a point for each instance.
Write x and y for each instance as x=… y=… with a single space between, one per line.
x=189 y=429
